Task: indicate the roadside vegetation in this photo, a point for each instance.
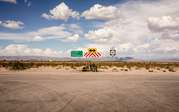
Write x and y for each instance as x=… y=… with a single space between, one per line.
x=124 y=66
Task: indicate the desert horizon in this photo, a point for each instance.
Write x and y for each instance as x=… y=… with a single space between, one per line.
x=89 y=56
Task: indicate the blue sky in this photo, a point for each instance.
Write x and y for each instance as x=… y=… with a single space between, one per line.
x=139 y=28
x=32 y=15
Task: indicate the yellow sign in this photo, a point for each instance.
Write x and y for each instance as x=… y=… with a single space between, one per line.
x=92 y=50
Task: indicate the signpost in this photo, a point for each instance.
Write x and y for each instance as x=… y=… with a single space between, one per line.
x=112 y=52
x=77 y=53
x=92 y=53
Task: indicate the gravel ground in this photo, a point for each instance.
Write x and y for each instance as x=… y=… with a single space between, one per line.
x=89 y=92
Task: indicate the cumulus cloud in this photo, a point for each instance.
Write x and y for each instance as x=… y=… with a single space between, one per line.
x=158 y=24
x=101 y=12
x=9 y=1
x=11 y=24
x=74 y=37
x=101 y=35
x=166 y=27
x=61 y=32
x=24 y=50
x=141 y=27
x=73 y=28
x=61 y=12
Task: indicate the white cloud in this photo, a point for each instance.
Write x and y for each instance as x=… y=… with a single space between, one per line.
x=61 y=12
x=73 y=37
x=163 y=23
x=11 y=24
x=24 y=50
x=101 y=12
x=38 y=38
x=73 y=28
x=166 y=27
x=101 y=35
x=10 y=1
x=62 y=32
x=131 y=31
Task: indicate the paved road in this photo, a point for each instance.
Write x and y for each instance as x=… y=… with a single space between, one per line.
x=89 y=93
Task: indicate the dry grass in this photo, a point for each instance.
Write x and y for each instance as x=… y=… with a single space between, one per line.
x=124 y=66
x=114 y=69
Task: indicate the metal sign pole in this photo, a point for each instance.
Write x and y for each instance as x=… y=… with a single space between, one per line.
x=91 y=54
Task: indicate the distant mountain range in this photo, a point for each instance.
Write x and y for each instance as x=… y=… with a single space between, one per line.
x=43 y=58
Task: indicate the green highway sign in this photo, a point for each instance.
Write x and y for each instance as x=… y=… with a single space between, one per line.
x=76 y=53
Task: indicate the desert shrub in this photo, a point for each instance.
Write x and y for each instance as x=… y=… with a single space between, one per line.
x=20 y=65
x=67 y=68
x=104 y=67
x=73 y=67
x=17 y=65
x=126 y=70
x=151 y=71
x=114 y=70
x=167 y=67
x=59 y=67
x=147 y=67
x=171 y=69
x=137 y=68
x=84 y=69
x=129 y=66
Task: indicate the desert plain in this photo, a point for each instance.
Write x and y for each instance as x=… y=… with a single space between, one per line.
x=68 y=89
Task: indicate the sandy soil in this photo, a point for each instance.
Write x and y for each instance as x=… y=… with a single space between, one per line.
x=88 y=92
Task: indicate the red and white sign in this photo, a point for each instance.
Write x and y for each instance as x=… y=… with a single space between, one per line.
x=92 y=53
